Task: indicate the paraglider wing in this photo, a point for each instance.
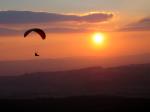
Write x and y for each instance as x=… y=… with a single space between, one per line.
x=37 y=30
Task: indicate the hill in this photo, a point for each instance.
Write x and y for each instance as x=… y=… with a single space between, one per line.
x=130 y=81
x=46 y=65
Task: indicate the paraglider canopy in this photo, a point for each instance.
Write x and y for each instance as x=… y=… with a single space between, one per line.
x=37 y=30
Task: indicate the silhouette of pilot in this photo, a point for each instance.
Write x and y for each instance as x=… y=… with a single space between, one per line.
x=36 y=54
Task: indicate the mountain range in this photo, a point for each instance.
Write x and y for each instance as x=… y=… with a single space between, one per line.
x=19 y=67
x=131 y=80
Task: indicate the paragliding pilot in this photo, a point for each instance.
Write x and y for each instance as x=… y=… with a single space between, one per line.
x=36 y=53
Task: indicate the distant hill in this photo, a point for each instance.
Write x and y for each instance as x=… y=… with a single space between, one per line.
x=46 y=65
x=131 y=80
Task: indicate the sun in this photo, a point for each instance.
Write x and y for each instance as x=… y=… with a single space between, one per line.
x=98 y=38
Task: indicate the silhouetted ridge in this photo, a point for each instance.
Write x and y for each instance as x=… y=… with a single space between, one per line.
x=131 y=81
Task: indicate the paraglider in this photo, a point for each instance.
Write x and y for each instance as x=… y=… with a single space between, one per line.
x=38 y=31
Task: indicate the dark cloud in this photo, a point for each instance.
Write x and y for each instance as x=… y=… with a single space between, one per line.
x=66 y=30
x=142 y=25
x=9 y=32
x=4 y=32
x=28 y=17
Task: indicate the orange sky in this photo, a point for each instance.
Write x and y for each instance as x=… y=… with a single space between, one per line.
x=74 y=44
x=125 y=27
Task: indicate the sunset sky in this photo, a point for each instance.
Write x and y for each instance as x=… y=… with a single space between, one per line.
x=70 y=26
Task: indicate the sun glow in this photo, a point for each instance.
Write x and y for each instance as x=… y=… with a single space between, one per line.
x=98 y=38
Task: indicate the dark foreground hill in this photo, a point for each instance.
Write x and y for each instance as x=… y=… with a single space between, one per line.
x=122 y=89
x=78 y=104
x=130 y=81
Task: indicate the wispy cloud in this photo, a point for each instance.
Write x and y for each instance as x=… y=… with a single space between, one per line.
x=66 y=30
x=4 y=32
x=28 y=17
x=50 y=22
x=9 y=32
x=142 y=25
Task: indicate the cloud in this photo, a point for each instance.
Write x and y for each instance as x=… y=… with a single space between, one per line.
x=29 y=17
x=142 y=25
x=15 y=23
x=4 y=32
x=9 y=32
x=66 y=30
